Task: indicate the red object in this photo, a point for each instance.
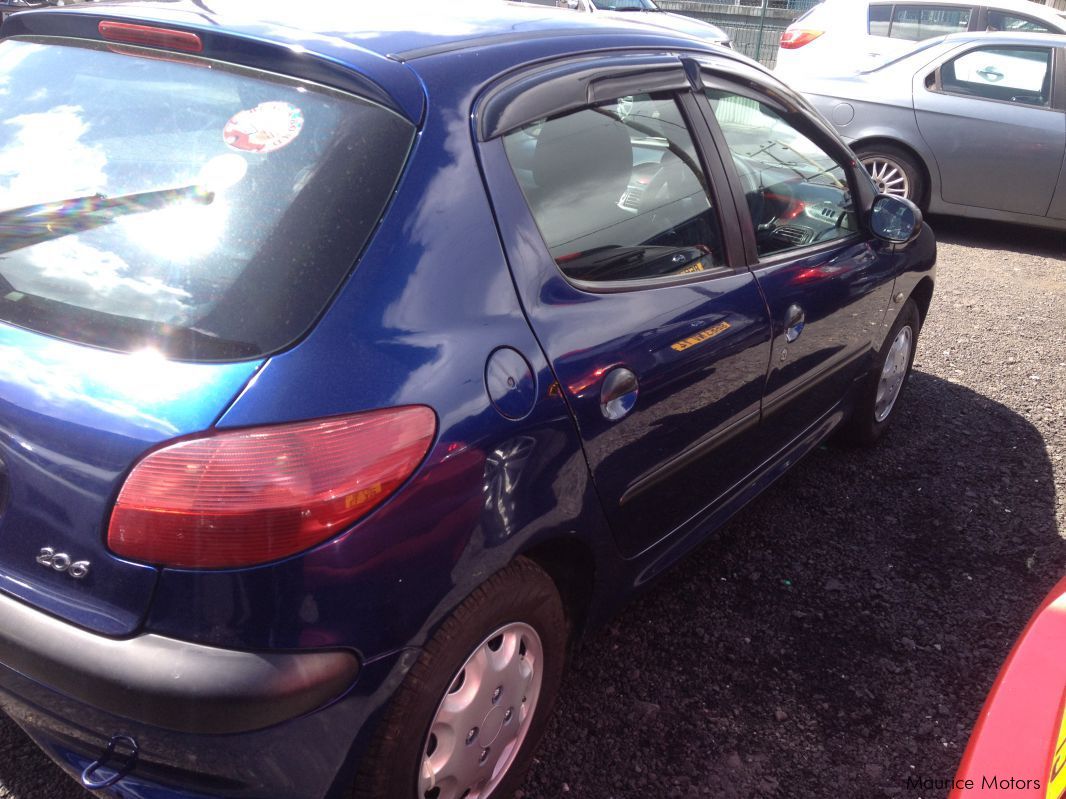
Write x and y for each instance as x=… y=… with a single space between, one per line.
x=242 y=497
x=151 y=36
x=1017 y=745
x=795 y=39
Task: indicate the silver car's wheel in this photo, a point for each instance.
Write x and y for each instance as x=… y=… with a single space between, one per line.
x=483 y=719
x=893 y=373
x=894 y=171
x=889 y=177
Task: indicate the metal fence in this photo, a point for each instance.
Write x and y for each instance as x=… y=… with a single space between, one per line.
x=755 y=26
x=755 y=41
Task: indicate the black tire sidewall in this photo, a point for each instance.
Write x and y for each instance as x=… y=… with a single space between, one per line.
x=521 y=592
x=863 y=427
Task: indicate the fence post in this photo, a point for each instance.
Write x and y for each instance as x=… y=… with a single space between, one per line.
x=762 y=26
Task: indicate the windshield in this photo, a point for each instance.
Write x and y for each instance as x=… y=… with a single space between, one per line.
x=928 y=44
x=157 y=201
x=625 y=5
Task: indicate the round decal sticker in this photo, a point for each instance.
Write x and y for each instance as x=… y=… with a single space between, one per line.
x=265 y=128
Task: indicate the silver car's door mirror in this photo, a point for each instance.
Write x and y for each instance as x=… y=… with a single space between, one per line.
x=895 y=219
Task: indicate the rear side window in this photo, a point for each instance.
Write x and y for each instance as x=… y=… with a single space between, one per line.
x=167 y=202
x=880 y=20
x=618 y=192
x=915 y=23
x=999 y=21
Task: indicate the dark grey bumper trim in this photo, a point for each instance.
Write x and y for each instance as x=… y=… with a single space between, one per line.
x=168 y=683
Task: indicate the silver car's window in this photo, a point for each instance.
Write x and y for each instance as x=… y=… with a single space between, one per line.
x=916 y=23
x=880 y=19
x=618 y=192
x=999 y=21
x=797 y=194
x=1008 y=74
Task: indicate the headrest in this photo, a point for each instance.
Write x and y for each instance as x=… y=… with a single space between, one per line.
x=589 y=149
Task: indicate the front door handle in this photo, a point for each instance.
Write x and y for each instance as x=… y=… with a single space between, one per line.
x=795 y=319
x=990 y=74
x=618 y=394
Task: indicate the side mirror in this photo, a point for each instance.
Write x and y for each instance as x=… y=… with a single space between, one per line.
x=895 y=219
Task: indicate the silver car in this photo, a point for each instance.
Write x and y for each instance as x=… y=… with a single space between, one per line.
x=970 y=124
x=645 y=12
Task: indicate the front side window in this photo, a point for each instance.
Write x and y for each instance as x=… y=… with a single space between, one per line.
x=797 y=194
x=618 y=192
x=1008 y=74
x=205 y=211
x=916 y=23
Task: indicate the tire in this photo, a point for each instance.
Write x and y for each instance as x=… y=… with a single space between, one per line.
x=518 y=611
x=894 y=171
x=879 y=397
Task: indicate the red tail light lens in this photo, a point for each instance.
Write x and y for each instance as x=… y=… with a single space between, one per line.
x=151 y=36
x=250 y=496
x=794 y=39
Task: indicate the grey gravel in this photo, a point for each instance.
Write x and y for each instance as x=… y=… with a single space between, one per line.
x=839 y=636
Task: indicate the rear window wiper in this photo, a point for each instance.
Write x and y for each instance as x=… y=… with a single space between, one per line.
x=33 y=224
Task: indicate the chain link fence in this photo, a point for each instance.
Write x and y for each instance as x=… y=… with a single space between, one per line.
x=755 y=26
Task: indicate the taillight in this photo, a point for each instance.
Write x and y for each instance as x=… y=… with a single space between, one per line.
x=151 y=36
x=242 y=497
x=794 y=39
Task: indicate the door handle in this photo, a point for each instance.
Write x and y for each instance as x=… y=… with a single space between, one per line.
x=618 y=394
x=990 y=74
x=795 y=319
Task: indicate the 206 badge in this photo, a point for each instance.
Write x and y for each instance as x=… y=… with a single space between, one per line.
x=61 y=562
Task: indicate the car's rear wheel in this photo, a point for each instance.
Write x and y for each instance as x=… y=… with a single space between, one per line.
x=893 y=171
x=469 y=714
x=881 y=392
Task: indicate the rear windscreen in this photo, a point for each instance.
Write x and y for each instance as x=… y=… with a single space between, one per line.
x=151 y=201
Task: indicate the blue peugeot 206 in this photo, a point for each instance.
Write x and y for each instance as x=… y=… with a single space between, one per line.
x=356 y=359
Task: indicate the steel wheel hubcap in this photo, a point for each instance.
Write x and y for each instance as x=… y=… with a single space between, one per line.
x=888 y=176
x=893 y=373
x=481 y=722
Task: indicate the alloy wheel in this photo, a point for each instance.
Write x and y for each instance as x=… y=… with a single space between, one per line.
x=888 y=176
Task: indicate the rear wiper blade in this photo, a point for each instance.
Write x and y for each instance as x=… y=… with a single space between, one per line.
x=33 y=224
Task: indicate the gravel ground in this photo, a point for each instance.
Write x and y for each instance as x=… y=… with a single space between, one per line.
x=840 y=635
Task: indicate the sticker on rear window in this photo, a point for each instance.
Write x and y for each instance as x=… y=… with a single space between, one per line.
x=265 y=128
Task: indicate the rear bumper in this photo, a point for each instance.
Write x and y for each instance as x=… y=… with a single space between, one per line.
x=170 y=684
x=73 y=691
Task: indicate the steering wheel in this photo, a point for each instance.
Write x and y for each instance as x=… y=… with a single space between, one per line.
x=753 y=190
x=833 y=230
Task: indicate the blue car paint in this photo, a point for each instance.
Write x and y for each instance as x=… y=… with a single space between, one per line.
x=429 y=302
x=73 y=419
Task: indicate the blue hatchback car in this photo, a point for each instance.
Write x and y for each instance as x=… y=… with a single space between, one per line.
x=357 y=360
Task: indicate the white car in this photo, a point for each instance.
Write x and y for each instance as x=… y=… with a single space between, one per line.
x=837 y=37
x=643 y=11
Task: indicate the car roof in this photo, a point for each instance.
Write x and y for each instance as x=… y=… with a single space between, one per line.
x=369 y=49
x=400 y=29
x=1008 y=37
x=1027 y=7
